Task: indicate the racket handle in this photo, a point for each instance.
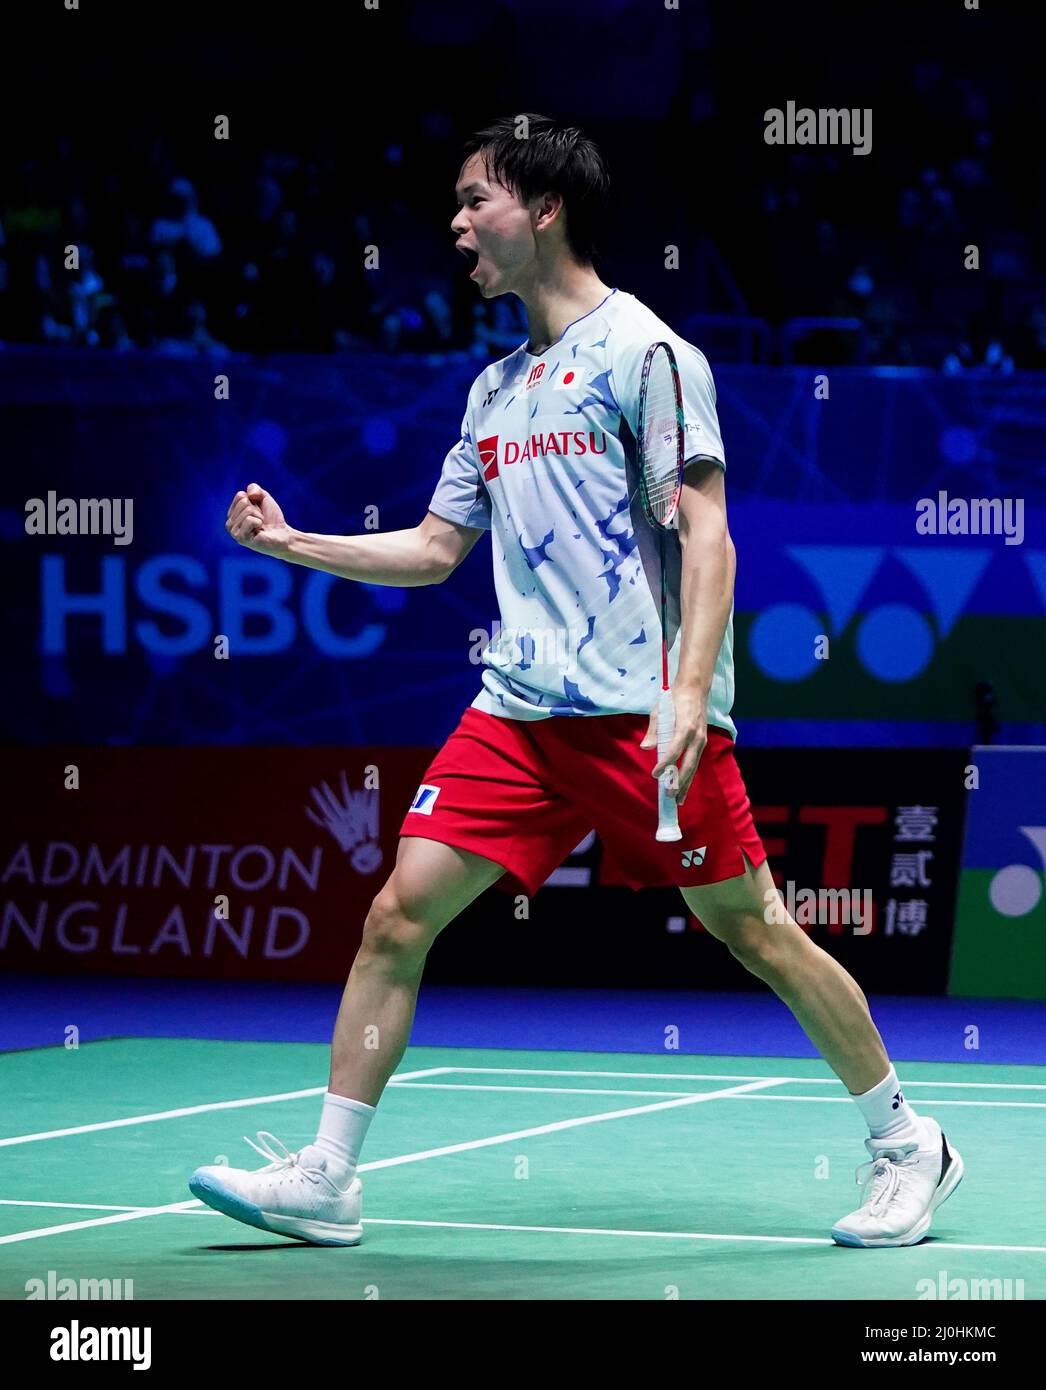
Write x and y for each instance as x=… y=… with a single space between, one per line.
x=667 y=810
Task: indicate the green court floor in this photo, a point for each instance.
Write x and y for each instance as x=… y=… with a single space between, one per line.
x=495 y=1174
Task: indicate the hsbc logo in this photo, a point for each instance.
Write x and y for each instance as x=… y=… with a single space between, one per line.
x=554 y=444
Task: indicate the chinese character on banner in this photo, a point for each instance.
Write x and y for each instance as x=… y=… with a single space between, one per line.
x=909 y=870
x=908 y=917
x=915 y=823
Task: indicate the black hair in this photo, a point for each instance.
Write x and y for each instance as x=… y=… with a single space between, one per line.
x=549 y=158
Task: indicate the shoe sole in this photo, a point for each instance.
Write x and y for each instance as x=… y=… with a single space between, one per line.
x=944 y=1190
x=210 y=1191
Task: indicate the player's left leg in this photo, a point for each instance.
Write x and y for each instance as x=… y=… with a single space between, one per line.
x=913 y=1169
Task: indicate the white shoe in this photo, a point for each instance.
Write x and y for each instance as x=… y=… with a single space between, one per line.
x=292 y=1196
x=907 y=1183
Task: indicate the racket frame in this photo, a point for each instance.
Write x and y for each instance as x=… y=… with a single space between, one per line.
x=667 y=808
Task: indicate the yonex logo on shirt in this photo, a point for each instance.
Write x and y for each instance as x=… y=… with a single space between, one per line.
x=693 y=857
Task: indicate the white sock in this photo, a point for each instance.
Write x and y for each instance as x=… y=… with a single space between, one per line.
x=343 y=1128
x=887 y=1113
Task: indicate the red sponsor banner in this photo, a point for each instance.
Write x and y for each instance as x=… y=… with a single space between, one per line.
x=247 y=863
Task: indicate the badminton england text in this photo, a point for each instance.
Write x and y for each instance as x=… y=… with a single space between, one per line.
x=90 y=516
x=150 y=927
x=76 y=1343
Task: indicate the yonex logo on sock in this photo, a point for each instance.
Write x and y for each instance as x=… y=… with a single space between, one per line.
x=425 y=799
x=694 y=856
x=897 y=1102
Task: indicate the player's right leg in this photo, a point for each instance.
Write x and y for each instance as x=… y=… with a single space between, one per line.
x=430 y=885
x=312 y=1195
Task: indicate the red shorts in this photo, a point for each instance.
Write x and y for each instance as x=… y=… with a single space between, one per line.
x=525 y=793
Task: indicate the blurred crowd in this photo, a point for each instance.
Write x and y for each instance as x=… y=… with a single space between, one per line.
x=280 y=261
x=300 y=252
x=940 y=263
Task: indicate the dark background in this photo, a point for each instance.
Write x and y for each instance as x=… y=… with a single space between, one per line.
x=345 y=130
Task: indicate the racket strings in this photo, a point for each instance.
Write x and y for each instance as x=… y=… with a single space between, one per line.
x=659 y=443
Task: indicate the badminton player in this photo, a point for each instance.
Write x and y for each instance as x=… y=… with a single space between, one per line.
x=559 y=738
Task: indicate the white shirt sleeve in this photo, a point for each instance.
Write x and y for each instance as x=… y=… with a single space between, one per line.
x=703 y=439
x=461 y=494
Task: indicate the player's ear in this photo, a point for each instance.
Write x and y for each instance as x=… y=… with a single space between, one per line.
x=548 y=206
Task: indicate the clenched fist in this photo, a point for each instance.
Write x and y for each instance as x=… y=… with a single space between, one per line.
x=255 y=520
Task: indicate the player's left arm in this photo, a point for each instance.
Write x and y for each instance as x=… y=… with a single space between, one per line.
x=706 y=595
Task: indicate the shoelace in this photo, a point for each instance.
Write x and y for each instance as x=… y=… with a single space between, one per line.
x=280 y=1156
x=885 y=1178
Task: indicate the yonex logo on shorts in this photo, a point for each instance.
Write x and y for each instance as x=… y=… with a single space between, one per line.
x=694 y=856
x=425 y=799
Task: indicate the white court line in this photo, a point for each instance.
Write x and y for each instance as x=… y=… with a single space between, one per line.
x=678 y=1235
x=587 y=1091
x=186 y=1209
x=71 y=1206
x=103 y=1206
x=549 y=1090
x=922 y=1100
x=193 y=1110
x=734 y=1076
x=405 y=1077
x=416 y=1157
x=555 y=1125
x=94 y=1221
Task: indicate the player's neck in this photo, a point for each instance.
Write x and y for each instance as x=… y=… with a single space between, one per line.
x=557 y=301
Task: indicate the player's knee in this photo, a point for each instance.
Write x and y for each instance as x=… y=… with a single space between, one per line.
x=392 y=930
x=749 y=938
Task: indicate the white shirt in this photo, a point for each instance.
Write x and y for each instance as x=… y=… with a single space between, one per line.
x=547 y=462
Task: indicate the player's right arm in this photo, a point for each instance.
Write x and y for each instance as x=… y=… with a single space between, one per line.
x=423 y=554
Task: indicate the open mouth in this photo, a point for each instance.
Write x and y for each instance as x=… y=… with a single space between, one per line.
x=472 y=257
